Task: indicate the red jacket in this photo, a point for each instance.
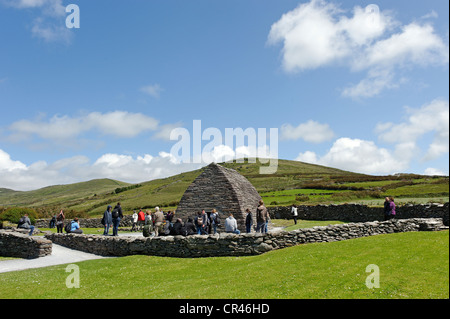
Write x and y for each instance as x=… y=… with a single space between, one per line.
x=141 y=216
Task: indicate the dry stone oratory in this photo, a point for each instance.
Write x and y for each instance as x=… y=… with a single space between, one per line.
x=219 y=188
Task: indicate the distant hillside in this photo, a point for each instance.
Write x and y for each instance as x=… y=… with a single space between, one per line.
x=58 y=194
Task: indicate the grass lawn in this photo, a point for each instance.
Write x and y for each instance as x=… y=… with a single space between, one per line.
x=412 y=265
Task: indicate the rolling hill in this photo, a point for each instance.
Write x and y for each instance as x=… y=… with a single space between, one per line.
x=293 y=182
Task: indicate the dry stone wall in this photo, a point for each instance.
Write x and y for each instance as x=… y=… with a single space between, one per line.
x=14 y=244
x=236 y=245
x=361 y=213
x=345 y=212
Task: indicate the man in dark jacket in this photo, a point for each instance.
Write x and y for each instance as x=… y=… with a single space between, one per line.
x=189 y=228
x=175 y=230
x=117 y=215
x=107 y=220
x=248 y=221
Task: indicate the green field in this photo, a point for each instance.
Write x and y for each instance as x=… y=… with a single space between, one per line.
x=412 y=265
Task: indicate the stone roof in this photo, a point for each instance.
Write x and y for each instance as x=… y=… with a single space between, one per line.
x=219 y=188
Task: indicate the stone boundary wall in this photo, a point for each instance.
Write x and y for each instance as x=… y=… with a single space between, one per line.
x=361 y=213
x=346 y=212
x=13 y=244
x=225 y=244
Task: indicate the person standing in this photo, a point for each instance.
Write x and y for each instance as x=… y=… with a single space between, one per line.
x=248 y=221
x=117 y=215
x=294 y=213
x=107 y=220
x=141 y=220
x=60 y=222
x=134 y=218
x=392 y=207
x=231 y=225
x=158 y=221
x=261 y=217
x=215 y=221
x=387 y=209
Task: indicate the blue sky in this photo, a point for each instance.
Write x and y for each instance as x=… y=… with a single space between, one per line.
x=357 y=85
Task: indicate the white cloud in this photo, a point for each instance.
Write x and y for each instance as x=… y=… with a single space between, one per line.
x=49 y=23
x=18 y=176
x=51 y=32
x=434 y=172
x=153 y=90
x=63 y=128
x=357 y=155
x=430 y=118
x=318 y=34
x=8 y=165
x=364 y=156
x=310 y=131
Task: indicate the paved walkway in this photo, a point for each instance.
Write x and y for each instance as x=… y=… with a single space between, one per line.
x=60 y=255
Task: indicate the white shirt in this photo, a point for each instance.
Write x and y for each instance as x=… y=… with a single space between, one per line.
x=230 y=224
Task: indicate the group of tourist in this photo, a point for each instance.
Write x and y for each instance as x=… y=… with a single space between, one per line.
x=160 y=223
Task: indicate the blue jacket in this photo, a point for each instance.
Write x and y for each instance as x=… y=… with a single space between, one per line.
x=107 y=217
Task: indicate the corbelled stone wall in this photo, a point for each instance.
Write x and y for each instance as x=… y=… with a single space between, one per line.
x=13 y=244
x=236 y=245
x=222 y=189
x=361 y=213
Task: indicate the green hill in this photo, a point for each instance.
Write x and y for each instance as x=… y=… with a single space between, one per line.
x=294 y=182
x=58 y=194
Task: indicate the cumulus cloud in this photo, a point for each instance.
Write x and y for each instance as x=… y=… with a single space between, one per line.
x=357 y=155
x=366 y=157
x=318 y=34
x=63 y=128
x=18 y=176
x=429 y=118
x=49 y=22
x=310 y=131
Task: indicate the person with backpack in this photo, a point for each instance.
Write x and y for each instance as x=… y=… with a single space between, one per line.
x=74 y=227
x=201 y=222
x=117 y=215
x=215 y=220
x=107 y=220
